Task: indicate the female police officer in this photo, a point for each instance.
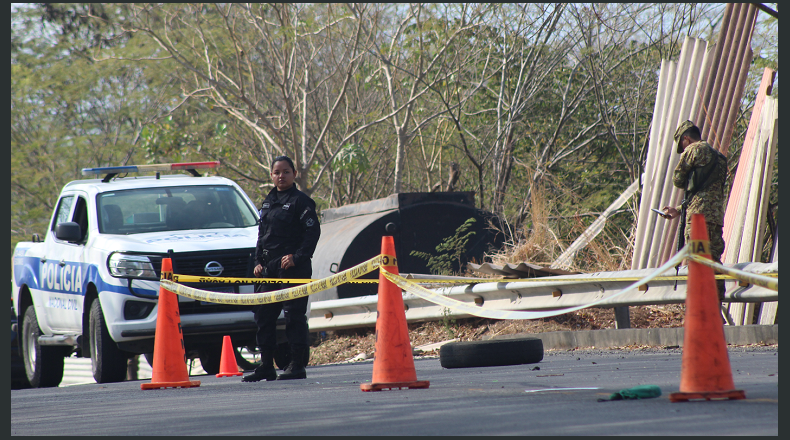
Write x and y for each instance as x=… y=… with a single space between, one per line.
x=287 y=236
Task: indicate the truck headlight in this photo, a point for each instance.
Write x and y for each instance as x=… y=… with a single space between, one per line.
x=131 y=266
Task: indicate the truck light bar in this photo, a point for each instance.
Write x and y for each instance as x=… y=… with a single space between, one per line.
x=113 y=171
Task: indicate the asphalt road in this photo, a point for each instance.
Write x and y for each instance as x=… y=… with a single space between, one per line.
x=557 y=396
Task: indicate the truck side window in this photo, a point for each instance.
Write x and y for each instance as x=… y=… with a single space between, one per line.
x=64 y=209
x=81 y=217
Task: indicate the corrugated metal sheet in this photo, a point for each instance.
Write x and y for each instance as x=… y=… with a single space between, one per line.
x=688 y=101
x=678 y=97
x=745 y=239
x=766 y=85
x=713 y=105
x=768 y=309
x=724 y=82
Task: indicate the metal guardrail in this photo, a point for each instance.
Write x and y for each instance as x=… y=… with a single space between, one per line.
x=550 y=293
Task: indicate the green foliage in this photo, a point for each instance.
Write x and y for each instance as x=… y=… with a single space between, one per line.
x=450 y=324
x=164 y=138
x=352 y=158
x=450 y=250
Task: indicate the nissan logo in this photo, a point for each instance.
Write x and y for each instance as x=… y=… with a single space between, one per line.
x=213 y=268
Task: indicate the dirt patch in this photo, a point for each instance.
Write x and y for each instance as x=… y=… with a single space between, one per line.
x=346 y=345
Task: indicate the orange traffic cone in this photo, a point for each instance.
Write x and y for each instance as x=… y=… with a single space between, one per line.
x=170 y=366
x=227 y=362
x=393 y=363
x=705 y=372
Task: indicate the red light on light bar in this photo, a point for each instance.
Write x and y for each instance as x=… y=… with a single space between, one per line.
x=194 y=165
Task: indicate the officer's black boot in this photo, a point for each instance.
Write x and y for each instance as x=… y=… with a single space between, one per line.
x=295 y=370
x=265 y=371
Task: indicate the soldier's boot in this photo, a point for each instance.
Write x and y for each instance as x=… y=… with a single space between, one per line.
x=265 y=371
x=295 y=369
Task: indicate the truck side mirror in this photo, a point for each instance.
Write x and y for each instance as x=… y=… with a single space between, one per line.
x=68 y=231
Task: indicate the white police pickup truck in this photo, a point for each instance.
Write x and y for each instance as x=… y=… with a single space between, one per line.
x=90 y=287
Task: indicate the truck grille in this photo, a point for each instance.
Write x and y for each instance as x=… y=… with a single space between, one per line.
x=237 y=263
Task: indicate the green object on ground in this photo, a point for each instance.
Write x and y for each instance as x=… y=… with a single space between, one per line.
x=637 y=392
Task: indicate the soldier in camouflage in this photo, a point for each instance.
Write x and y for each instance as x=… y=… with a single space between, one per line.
x=702 y=172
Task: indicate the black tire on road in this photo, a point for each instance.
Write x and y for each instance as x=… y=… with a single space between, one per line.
x=18 y=375
x=43 y=364
x=108 y=362
x=491 y=353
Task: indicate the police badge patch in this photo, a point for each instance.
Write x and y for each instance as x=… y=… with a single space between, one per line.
x=310 y=222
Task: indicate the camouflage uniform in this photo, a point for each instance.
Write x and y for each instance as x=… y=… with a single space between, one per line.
x=710 y=201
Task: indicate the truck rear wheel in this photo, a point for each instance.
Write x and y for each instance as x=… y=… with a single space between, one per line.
x=108 y=362
x=43 y=365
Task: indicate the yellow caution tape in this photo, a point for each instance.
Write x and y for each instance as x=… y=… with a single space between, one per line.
x=350 y=275
x=753 y=278
x=386 y=260
x=279 y=295
x=228 y=280
x=484 y=312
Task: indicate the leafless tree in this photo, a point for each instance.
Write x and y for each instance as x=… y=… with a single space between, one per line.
x=280 y=69
x=422 y=53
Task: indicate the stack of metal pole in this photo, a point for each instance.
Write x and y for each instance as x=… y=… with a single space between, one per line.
x=748 y=205
x=705 y=88
x=677 y=99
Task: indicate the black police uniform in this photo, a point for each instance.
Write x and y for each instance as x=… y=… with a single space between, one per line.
x=288 y=225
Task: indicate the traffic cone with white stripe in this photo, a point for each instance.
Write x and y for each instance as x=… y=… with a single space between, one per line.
x=170 y=363
x=393 y=363
x=705 y=371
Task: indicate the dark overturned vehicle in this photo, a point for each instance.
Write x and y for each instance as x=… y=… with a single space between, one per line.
x=418 y=223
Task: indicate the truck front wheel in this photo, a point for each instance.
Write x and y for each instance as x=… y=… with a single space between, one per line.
x=43 y=364
x=108 y=362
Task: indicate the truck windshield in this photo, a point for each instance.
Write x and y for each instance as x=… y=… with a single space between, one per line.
x=136 y=211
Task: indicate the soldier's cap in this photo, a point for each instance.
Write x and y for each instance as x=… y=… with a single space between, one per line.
x=685 y=126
